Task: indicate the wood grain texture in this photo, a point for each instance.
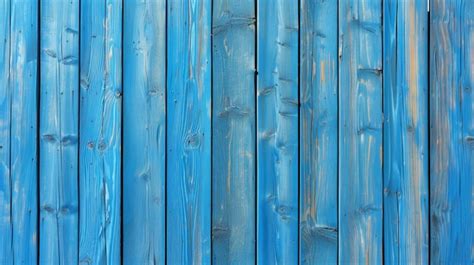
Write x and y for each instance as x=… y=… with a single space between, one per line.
x=144 y=128
x=360 y=132
x=452 y=132
x=189 y=132
x=100 y=131
x=59 y=120
x=277 y=132
x=318 y=132
x=233 y=132
x=405 y=132
x=23 y=88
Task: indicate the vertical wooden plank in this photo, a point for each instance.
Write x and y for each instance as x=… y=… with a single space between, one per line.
x=23 y=135
x=277 y=132
x=452 y=132
x=6 y=241
x=100 y=131
x=59 y=110
x=405 y=132
x=144 y=131
x=233 y=132
x=360 y=131
x=318 y=132
x=189 y=132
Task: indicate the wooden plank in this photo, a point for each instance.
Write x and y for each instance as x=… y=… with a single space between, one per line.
x=360 y=132
x=189 y=132
x=233 y=132
x=59 y=110
x=100 y=131
x=405 y=132
x=318 y=132
x=452 y=132
x=144 y=129
x=277 y=132
x=23 y=135
x=6 y=241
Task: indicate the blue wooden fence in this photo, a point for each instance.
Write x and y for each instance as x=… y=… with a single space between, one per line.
x=236 y=132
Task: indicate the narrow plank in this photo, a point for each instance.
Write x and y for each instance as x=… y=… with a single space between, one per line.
x=23 y=135
x=233 y=132
x=405 y=132
x=6 y=241
x=277 y=132
x=59 y=118
x=100 y=131
x=360 y=132
x=318 y=132
x=144 y=55
x=189 y=132
x=452 y=132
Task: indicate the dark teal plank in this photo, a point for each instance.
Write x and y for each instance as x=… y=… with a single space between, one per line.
x=233 y=132
x=360 y=132
x=23 y=88
x=100 y=131
x=452 y=132
x=406 y=132
x=144 y=55
x=59 y=114
x=277 y=132
x=189 y=132
x=318 y=132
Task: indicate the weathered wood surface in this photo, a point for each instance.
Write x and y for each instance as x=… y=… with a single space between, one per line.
x=188 y=150
x=318 y=132
x=59 y=114
x=100 y=132
x=406 y=132
x=233 y=132
x=452 y=132
x=144 y=131
x=360 y=132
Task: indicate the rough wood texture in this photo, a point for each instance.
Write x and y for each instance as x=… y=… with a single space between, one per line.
x=406 y=132
x=59 y=114
x=318 y=132
x=100 y=131
x=277 y=132
x=189 y=132
x=360 y=131
x=233 y=132
x=144 y=132
x=452 y=132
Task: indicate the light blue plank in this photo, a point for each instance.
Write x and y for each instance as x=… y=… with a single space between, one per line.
x=406 y=132
x=6 y=243
x=189 y=132
x=452 y=132
x=59 y=110
x=233 y=132
x=100 y=131
x=360 y=132
x=23 y=136
x=277 y=130
x=318 y=132
x=144 y=56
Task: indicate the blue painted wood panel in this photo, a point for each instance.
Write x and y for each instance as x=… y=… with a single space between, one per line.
x=59 y=120
x=277 y=132
x=234 y=132
x=100 y=132
x=406 y=132
x=318 y=138
x=451 y=132
x=360 y=132
x=144 y=131
x=188 y=153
